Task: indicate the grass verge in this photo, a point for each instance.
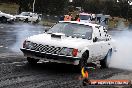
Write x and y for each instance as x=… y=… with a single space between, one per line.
x=10 y=8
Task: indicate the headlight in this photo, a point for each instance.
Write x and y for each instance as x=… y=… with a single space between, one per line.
x=25 y=44
x=69 y=52
x=28 y=45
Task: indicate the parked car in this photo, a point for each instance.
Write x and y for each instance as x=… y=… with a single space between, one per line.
x=70 y=42
x=85 y=17
x=4 y=17
x=28 y=17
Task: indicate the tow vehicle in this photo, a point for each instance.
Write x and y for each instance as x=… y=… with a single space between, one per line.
x=28 y=17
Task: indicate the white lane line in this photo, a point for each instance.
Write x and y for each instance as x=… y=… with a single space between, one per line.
x=1 y=46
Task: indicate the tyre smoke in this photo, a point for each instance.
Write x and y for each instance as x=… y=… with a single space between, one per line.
x=122 y=59
x=22 y=31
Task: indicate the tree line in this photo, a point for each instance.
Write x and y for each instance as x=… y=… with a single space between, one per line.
x=59 y=7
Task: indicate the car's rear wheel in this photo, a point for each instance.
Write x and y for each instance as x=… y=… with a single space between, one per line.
x=106 y=61
x=26 y=20
x=83 y=61
x=32 y=60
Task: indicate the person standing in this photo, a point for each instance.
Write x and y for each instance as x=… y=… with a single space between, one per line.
x=77 y=18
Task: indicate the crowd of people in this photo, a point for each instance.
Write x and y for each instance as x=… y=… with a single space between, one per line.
x=90 y=17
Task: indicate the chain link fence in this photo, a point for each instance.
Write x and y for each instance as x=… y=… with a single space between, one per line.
x=50 y=18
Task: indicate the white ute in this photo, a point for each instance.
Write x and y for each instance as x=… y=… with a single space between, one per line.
x=28 y=17
x=4 y=17
x=70 y=42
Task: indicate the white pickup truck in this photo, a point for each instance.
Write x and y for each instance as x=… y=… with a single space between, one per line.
x=28 y=17
x=4 y=17
x=70 y=42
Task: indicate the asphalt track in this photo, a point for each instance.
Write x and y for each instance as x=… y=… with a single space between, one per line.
x=15 y=72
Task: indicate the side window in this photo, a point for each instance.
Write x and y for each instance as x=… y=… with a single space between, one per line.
x=102 y=34
x=96 y=34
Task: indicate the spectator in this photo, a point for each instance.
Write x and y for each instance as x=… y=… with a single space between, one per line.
x=77 y=18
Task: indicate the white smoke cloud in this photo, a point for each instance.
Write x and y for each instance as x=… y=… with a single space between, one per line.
x=22 y=31
x=123 y=57
x=123 y=40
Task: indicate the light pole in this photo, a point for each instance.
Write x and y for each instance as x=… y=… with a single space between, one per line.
x=70 y=0
x=34 y=4
x=117 y=1
x=129 y=4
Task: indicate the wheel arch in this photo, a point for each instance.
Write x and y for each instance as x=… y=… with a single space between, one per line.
x=85 y=50
x=4 y=17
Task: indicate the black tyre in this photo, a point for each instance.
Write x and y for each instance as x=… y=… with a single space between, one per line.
x=83 y=61
x=3 y=19
x=26 y=20
x=32 y=60
x=37 y=21
x=106 y=61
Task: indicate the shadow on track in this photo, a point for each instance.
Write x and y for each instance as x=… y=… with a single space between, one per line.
x=54 y=67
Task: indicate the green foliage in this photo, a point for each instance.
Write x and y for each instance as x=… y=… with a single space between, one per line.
x=10 y=8
x=58 y=7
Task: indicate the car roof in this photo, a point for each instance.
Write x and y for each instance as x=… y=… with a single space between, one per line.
x=83 y=23
x=27 y=12
x=84 y=14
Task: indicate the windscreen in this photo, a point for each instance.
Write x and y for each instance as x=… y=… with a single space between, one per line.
x=25 y=14
x=74 y=30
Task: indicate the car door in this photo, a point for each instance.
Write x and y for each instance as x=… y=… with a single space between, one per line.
x=30 y=17
x=97 y=45
x=105 y=42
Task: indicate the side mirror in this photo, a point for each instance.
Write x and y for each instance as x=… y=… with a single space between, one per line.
x=95 y=39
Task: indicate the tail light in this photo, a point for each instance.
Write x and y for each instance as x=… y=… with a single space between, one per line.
x=74 y=52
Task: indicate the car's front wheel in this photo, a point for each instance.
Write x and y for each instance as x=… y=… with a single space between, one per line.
x=3 y=19
x=32 y=60
x=83 y=60
x=106 y=61
x=26 y=20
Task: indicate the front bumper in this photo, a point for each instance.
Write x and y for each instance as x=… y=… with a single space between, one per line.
x=51 y=57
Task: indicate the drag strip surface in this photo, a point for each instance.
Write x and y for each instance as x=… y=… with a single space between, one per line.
x=15 y=72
